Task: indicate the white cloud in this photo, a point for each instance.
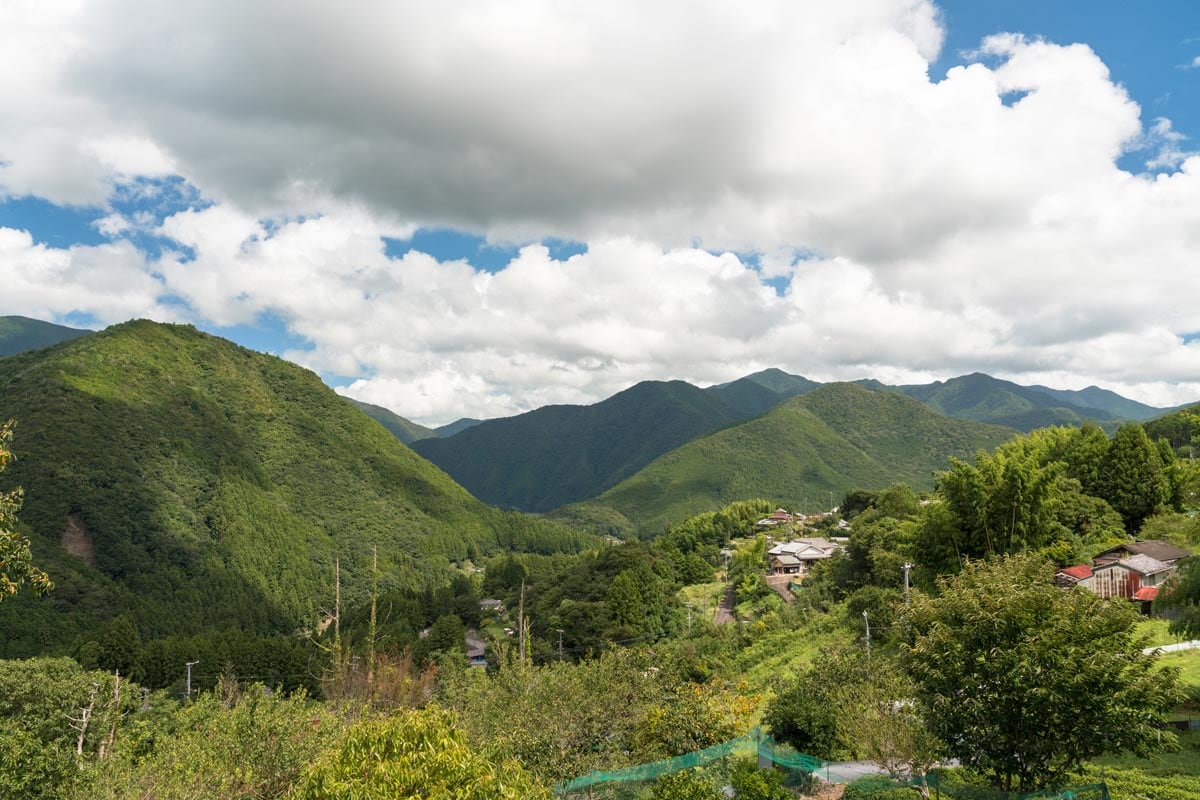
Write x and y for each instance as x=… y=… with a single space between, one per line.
x=927 y=228
x=110 y=282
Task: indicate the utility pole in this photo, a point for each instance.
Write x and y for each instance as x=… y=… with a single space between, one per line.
x=907 y=567
x=371 y=633
x=190 y=664
x=560 y=633
x=145 y=699
x=689 y=608
x=521 y=625
x=868 y=624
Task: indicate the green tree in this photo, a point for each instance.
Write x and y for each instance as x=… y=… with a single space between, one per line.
x=413 y=754
x=1134 y=480
x=685 y=785
x=1023 y=681
x=16 y=560
x=1182 y=596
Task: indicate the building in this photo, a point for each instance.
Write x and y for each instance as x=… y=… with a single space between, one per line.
x=1161 y=551
x=1125 y=578
x=797 y=557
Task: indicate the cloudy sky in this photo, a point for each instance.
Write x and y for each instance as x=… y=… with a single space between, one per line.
x=473 y=208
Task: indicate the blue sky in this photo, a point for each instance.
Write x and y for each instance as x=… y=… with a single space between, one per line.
x=466 y=211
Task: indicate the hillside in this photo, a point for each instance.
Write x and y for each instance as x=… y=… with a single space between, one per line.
x=761 y=391
x=18 y=334
x=1105 y=400
x=560 y=454
x=1181 y=428
x=202 y=484
x=982 y=398
x=403 y=429
x=830 y=440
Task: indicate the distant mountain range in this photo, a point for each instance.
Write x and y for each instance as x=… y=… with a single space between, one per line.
x=18 y=334
x=560 y=454
x=806 y=452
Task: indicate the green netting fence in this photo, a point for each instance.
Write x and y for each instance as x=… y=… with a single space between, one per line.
x=859 y=785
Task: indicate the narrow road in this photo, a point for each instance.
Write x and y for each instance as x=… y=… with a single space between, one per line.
x=1172 y=648
x=725 y=608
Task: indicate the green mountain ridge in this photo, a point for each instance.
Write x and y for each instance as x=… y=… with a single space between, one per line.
x=555 y=455
x=835 y=438
x=405 y=430
x=18 y=334
x=200 y=484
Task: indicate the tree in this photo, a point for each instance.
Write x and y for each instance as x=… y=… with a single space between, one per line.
x=1182 y=595
x=16 y=560
x=1134 y=478
x=414 y=754
x=1023 y=681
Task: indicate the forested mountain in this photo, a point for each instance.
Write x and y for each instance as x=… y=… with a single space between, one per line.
x=403 y=429
x=560 y=454
x=832 y=439
x=458 y=426
x=194 y=484
x=18 y=334
x=1105 y=400
x=983 y=398
x=1181 y=428
x=761 y=391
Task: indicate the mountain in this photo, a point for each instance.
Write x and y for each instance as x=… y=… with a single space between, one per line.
x=1095 y=397
x=1181 y=428
x=555 y=455
x=983 y=398
x=803 y=453
x=458 y=426
x=18 y=334
x=761 y=391
x=191 y=484
x=403 y=429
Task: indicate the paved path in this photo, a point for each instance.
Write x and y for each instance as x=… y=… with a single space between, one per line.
x=725 y=608
x=1172 y=648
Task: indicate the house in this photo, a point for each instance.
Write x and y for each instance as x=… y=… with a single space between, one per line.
x=1161 y=551
x=476 y=649
x=1078 y=575
x=779 y=517
x=797 y=557
x=1126 y=577
x=491 y=606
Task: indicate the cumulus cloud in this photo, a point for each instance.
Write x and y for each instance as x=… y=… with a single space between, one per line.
x=110 y=283
x=918 y=228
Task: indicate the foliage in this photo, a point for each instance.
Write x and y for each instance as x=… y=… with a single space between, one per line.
x=806 y=711
x=403 y=429
x=413 y=754
x=830 y=440
x=217 y=486
x=16 y=560
x=1022 y=681
x=561 y=720
x=1180 y=597
x=751 y=783
x=556 y=455
x=45 y=744
x=242 y=744
x=1135 y=480
x=684 y=785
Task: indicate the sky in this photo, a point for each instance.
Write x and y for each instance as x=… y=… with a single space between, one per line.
x=473 y=209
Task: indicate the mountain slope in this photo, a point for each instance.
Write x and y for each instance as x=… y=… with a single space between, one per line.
x=983 y=398
x=830 y=440
x=403 y=429
x=1105 y=400
x=560 y=454
x=199 y=484
x=18 y=334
